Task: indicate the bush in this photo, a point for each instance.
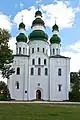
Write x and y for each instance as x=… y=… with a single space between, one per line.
x=74 y=96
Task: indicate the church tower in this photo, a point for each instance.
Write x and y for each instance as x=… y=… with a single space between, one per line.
x=21 y=45
x=55 y=41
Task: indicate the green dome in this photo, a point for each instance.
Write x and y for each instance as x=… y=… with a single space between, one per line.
x=55 y=39
x=21 y=38
x=21 y=25
x=38 y=35
x=38 y=13
x=55 y=27
x=38 y=21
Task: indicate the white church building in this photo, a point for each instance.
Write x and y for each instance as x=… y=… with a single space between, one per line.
x=40 y=71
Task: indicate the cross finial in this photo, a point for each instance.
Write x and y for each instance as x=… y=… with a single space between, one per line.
x=38 y=3
x=22 y=18
x=55 y=19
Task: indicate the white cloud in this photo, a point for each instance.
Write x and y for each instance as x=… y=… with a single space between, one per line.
x=73 y=51
x=62 y=10
x=5 y=21
x=28 y=17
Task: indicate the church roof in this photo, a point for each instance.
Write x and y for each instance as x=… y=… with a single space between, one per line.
x=58 y=56
x=38 y=13
x=38 y=21
x=21 y=38
x=21 y=26
x=55 y=39
x=55 y=27
x=38 y=35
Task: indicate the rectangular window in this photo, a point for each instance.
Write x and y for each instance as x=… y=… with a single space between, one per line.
x=59 y=88
x=32 y=50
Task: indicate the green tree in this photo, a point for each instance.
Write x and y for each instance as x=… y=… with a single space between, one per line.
x=4 y=91
x=6 y=57
x=75 y=86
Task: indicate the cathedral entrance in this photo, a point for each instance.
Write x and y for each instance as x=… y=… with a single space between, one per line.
x=38 y=95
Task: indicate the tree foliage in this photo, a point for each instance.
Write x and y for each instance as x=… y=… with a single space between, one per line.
x=6 y=57
x=75 y=86
x=4 y=91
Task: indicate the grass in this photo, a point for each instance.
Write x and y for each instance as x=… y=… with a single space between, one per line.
x=39 y=112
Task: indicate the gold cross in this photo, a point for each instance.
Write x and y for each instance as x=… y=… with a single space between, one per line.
x=22 y=18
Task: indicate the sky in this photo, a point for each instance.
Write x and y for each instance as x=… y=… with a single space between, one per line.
x=67 y=13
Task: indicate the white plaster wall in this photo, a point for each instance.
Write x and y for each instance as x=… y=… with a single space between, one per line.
x=19 y=94
x=42 y=79
x=55 y=80
x=41 y=44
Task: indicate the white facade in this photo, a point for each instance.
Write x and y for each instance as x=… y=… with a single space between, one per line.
x=40 y=71
x=47 y=84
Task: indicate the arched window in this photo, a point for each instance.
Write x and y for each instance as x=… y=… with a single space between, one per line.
x=59 y=72
x=32 y=50
x=18 y=71
x=43 y=49
x=39 y=71
x=38 y=49
x=17 y=85
x=32 y=71
x=33 y=61
x=56 y=51
x=44 y=61
x=19 y=50
x=53 y=51
x=46 y=71
x=23 y=50
x=39 y=61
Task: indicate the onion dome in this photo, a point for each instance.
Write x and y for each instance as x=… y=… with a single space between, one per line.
x=21 y=38
x=38 y=21
x=55 y=39
x=21 y=26
x=55 y=27
x=38 y=35
x=38 y=13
